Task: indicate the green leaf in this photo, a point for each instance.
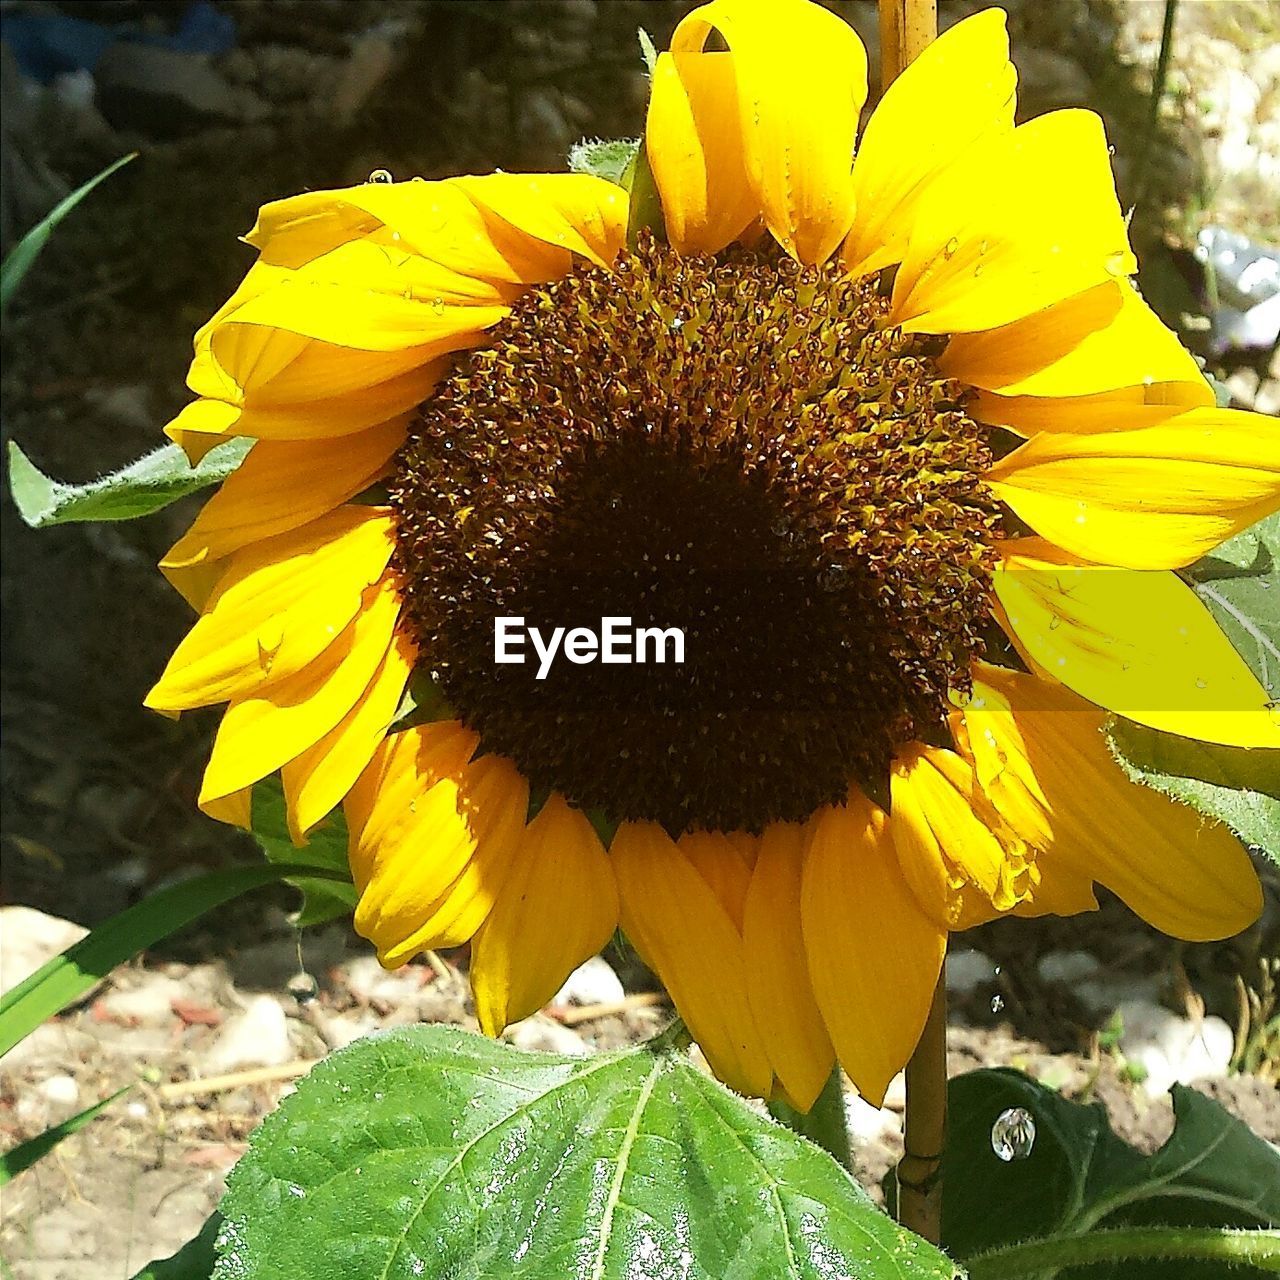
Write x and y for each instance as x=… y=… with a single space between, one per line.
x=426 y=1151
x=1237 y=786
x=608 y=159
x=1240 y=584
x=25 y=1154
x=153 y=482
x=19 y=260
x=323 y=897
x=194 y=1261
x=70 y=975
x=1080 y=1177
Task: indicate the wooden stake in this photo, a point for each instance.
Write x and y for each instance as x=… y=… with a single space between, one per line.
x=925 y=1128
x=906 y=27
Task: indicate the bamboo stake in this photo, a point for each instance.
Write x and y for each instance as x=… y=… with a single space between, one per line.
x=906 y=27
x=925 y=1129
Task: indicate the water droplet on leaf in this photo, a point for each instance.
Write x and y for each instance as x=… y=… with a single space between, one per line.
x=1013 y=1134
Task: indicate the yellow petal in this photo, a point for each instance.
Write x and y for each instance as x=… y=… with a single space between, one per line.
x=432 y=840
x=235 y=809
x=262 y=732
x=574 y=211
x=874 y=956
x=963 y=84
x=354 y=297
x=1181 y=872
x=382 y=807
x=777 y=966
x=1137 y=642
x=1026 y=415
x=558 y=907
x=283 y=485
x=195 y=583
x=802 y=80
x=200 y=427
x=1029 y=219
x=269 y=383
x=1103 y=339
x=435 y=221
x=723 y=865
x=277 y=607
x=959 y=867
x=686 y=937
x=1156 y=492
x=693 y=140
x=316 y=781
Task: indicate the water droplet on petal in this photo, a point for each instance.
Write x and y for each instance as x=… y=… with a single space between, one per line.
x=1273 y=710
x=1014 y=1134
x=1201 y=682
x=1116 y=263
x=949 y=249
x=1054 y=622
x=382 y=176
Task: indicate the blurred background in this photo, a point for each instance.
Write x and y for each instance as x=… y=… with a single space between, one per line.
x=234 y=103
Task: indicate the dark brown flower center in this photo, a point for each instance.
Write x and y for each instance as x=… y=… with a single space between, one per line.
x=734 y=447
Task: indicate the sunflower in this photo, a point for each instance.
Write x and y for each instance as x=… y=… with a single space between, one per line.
x=892 y=439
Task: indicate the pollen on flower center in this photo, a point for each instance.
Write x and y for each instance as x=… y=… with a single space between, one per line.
x=734 y=446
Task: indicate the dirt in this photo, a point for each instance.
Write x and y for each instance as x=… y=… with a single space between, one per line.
x=98 y=794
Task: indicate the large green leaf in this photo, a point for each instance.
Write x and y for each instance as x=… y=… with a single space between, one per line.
x=19 y=260
x=70 y=975
x=426 y=1151
x=153 y=482
x=326 y=896
x=1080 y=1178
x=1240 y=584
x=25 y=1154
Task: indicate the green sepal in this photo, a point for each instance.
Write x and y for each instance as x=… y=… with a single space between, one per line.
x=611 y=159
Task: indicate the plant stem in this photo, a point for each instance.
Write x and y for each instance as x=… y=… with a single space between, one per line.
x=906 y=27
x=825 y=1123
x=1206 y=1244
x=1158 y=85
x=920 y=1169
